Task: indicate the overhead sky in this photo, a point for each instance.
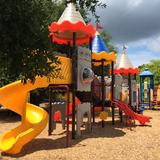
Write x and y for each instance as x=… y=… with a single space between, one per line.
x=135 y=23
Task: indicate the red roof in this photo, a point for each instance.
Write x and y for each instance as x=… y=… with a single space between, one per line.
x=71 y=21
x=63 y=33
x=126 y=72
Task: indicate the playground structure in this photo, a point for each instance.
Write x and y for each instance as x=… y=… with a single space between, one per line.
x=125 y=68
x=75 y=77
x=146 y=89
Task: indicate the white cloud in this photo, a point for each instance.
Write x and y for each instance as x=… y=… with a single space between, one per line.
x=151 y=44
x=154 y=44
x=134 y=3
x=142 y=51
x=141 y=57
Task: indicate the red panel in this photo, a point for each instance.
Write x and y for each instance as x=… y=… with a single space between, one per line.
x=57 y=116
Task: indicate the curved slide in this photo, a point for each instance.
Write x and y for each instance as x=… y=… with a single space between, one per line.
x=34 y=119
x=141 y=118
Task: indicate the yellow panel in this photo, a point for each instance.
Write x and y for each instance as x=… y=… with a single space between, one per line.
x=109 y=57
x=65 y=72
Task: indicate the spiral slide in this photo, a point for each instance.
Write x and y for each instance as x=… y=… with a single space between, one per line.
x=34 y=119
x=141 y=118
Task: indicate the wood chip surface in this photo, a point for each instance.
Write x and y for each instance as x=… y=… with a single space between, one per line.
x=118 y=142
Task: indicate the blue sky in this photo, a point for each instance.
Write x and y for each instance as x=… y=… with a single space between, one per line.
x=135 y=23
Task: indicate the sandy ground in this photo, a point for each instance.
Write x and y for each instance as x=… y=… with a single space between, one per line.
x=116 y=142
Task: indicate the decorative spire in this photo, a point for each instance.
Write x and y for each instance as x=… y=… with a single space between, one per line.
x=98 y=44
x=70 y=1
x=71 y=14
x=100 y=51
x=98 y=26
x=124 y=49
x=125 y=66
x=124 y=60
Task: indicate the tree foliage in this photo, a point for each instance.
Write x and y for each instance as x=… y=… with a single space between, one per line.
x=154 y=67
x=91 y=6
x=24 y=42
x=107 y=40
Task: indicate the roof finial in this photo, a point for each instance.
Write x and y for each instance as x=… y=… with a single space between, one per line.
x=73 y=2
x=98 y=26
x=124 y=49
x=70 y=1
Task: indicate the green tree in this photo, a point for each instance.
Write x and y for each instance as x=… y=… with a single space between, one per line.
x=24 y=41
x=154 y=67
x=90 y=6
x=107 y=40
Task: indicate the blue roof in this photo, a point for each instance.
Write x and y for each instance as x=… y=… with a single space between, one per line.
x=98 y=45
x=146 y=73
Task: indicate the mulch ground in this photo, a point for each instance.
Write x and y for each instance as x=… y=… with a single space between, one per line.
x=118 y=142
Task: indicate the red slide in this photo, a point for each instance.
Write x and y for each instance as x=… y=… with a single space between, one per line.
x=141 y=118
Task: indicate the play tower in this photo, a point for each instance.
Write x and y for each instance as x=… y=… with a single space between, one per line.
x=147 y=76
x=101 y=56
x=126 y=69
x=71 y=30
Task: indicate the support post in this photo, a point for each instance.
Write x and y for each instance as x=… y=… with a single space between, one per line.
x=103 y=88
x=135 y=78
x=68 y=97
x=51 y=40
x=74 y=80
x=50 y=128
x=112 y=91
x=139 y=97
x=92 y=92
x=130 y=90
x=69 y=49
x=140 y=91
x=149 y=96
x=120 y=112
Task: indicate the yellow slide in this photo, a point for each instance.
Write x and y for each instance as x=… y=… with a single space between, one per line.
x=34 y=119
